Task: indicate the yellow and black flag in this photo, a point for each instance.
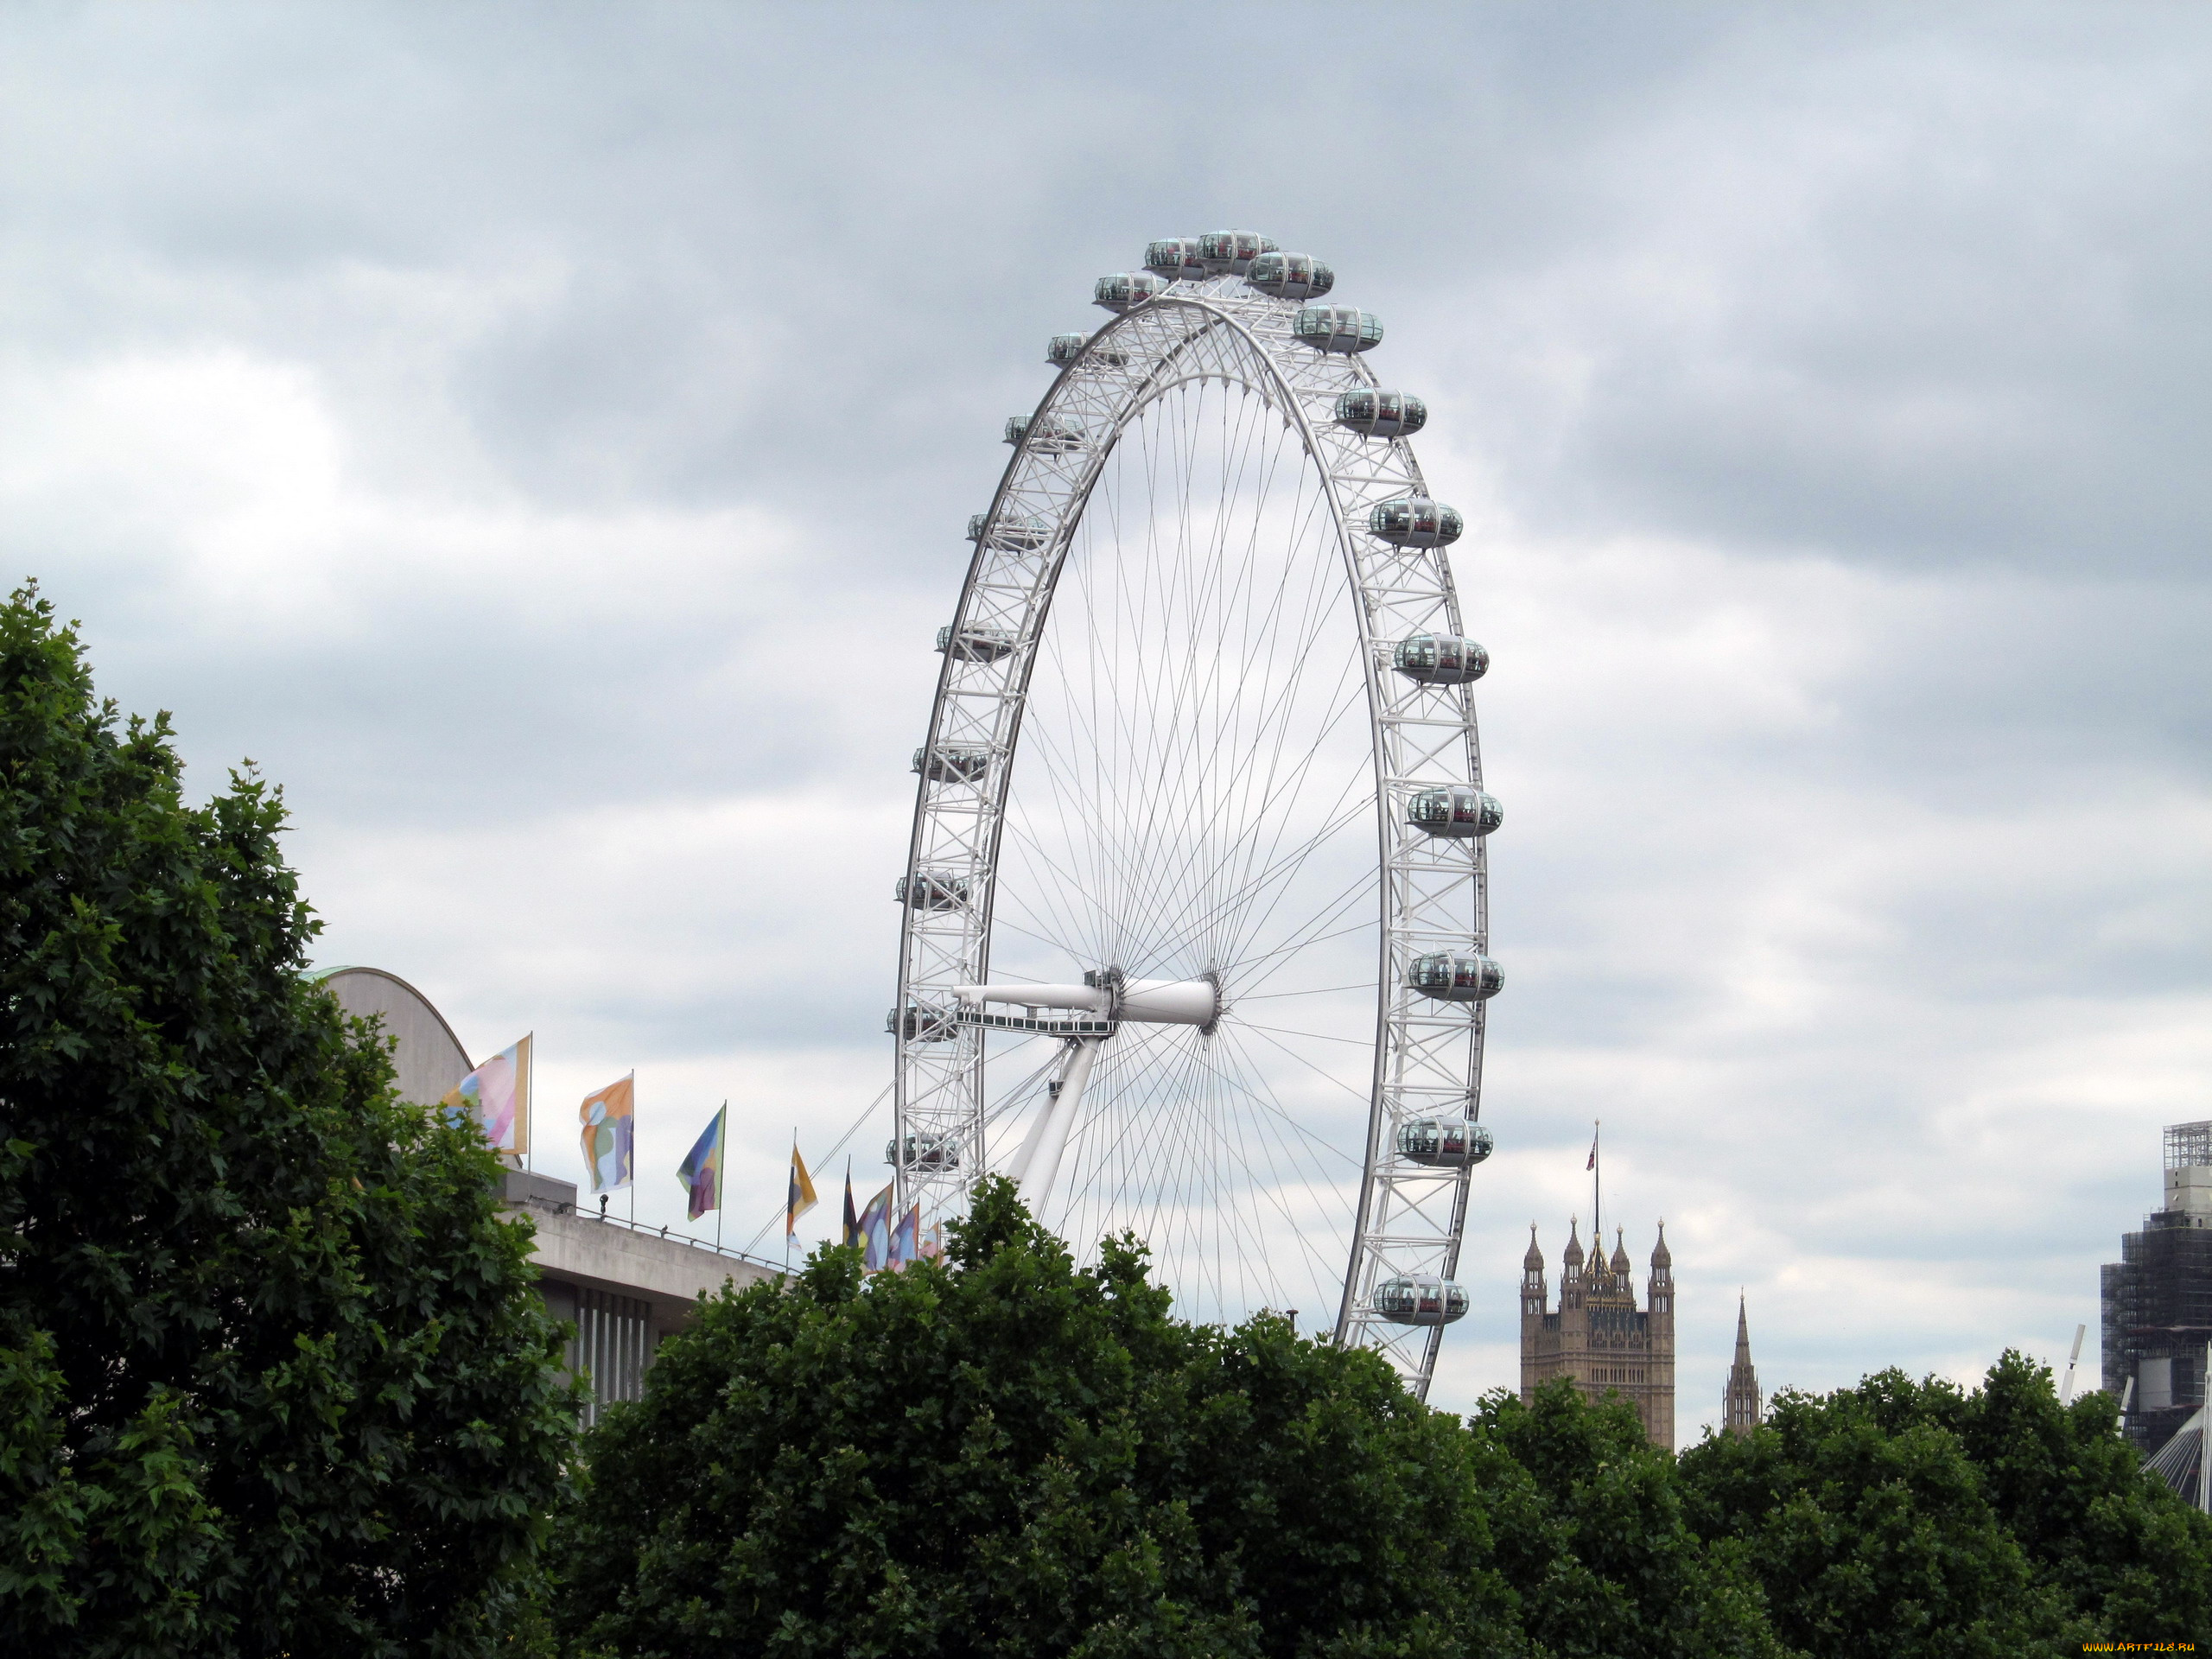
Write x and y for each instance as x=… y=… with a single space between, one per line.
x=802 y=1198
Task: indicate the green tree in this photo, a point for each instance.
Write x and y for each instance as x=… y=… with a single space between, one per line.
x=1002 y=1455
x=1598 y=1544
x=1916 y=1518
x=2126 y=1554
x=272 y=1375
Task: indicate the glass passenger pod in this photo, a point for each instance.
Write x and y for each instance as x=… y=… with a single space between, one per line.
x=976 y=644
x=1336 y=328
x=922 y=1151
x=1052 y=434
x=1416 y=521
x=1291 y=275
x=1456 y=811
x=1381 y=414
x=1441 y=660
x=1176 y=258
x=1062 y=349
x=1456 y=977
x=1420 y=1299
x=952 y=763
x=1220 y=250
x=1445 y=1142
x=931 y=890
x=1125 y=290
x=1010 y=531
x=922 y=1022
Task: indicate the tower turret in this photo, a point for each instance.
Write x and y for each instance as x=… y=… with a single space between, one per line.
x=1661 y=1288
x=1570 y=1272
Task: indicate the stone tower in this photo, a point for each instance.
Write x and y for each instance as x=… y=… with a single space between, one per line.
x=1740 y=1401
x=1598 y=1336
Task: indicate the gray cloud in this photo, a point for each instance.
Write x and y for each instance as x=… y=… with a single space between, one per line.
x=540 y=436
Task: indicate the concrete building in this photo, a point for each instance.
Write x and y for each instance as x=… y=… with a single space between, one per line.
x=624 y=1287
x=1597 y=1336
x=1740 y=1403
x=2157 y=1299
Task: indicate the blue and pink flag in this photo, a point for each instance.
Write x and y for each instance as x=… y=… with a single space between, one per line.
x=876 y=1232
x=906 y=1240
x=496 y=1097
x=700 y=1171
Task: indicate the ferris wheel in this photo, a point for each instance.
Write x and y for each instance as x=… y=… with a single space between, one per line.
x=1194 y=921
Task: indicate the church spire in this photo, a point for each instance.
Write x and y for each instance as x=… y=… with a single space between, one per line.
x=1740 y=1401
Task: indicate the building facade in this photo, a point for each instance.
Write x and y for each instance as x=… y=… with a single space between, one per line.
x=2157 y=1299
x=1598 y=1336
x=624 y=1288
x=1740 y=1403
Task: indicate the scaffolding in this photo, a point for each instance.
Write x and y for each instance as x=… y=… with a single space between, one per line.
x=2188 y=1145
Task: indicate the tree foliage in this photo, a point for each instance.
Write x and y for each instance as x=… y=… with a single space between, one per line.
x=272 y=1377
x=1002 y=1455
x=1916 y=1518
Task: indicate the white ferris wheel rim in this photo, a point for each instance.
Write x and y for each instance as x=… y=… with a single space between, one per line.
x=1407 y=1218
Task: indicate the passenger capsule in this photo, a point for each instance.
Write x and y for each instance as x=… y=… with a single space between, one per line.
x=1175 y=257
x=1416 y=521
x=1233 y=251
x=1337 y=328
x=1420 y=1299
x=1456 y=977
x=921 y=1022
x=1459 y=812
x=1441 y=660
x=1381 y=414
x=1053 y=434
x=1445 y=1142
x=1062 y=349
x=1012 y=531
x=976 y=643
x=1126 y=290
x=931 y=890
x=922 y=1151
x=1291 y=275
x=953 y=763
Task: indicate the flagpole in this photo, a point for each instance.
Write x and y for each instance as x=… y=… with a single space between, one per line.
x=1596 y=1185
x=721 y=1157
x=530 y=1105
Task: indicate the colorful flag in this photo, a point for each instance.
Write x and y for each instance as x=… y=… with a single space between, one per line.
x=496 y=1094
x=876 y=1232
x=852 y=1233
x=906 y=1240
x=700 y=1171
x=609 y=1135
x=933 y=1241
x=1592 y=1164
x=801 y=1199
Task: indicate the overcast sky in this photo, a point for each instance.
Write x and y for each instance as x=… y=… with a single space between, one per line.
x=540 y=436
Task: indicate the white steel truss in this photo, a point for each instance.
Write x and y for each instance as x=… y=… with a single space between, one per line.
x=1427 y=1054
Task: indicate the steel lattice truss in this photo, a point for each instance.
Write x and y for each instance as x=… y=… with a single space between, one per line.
x=1427 y=1054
